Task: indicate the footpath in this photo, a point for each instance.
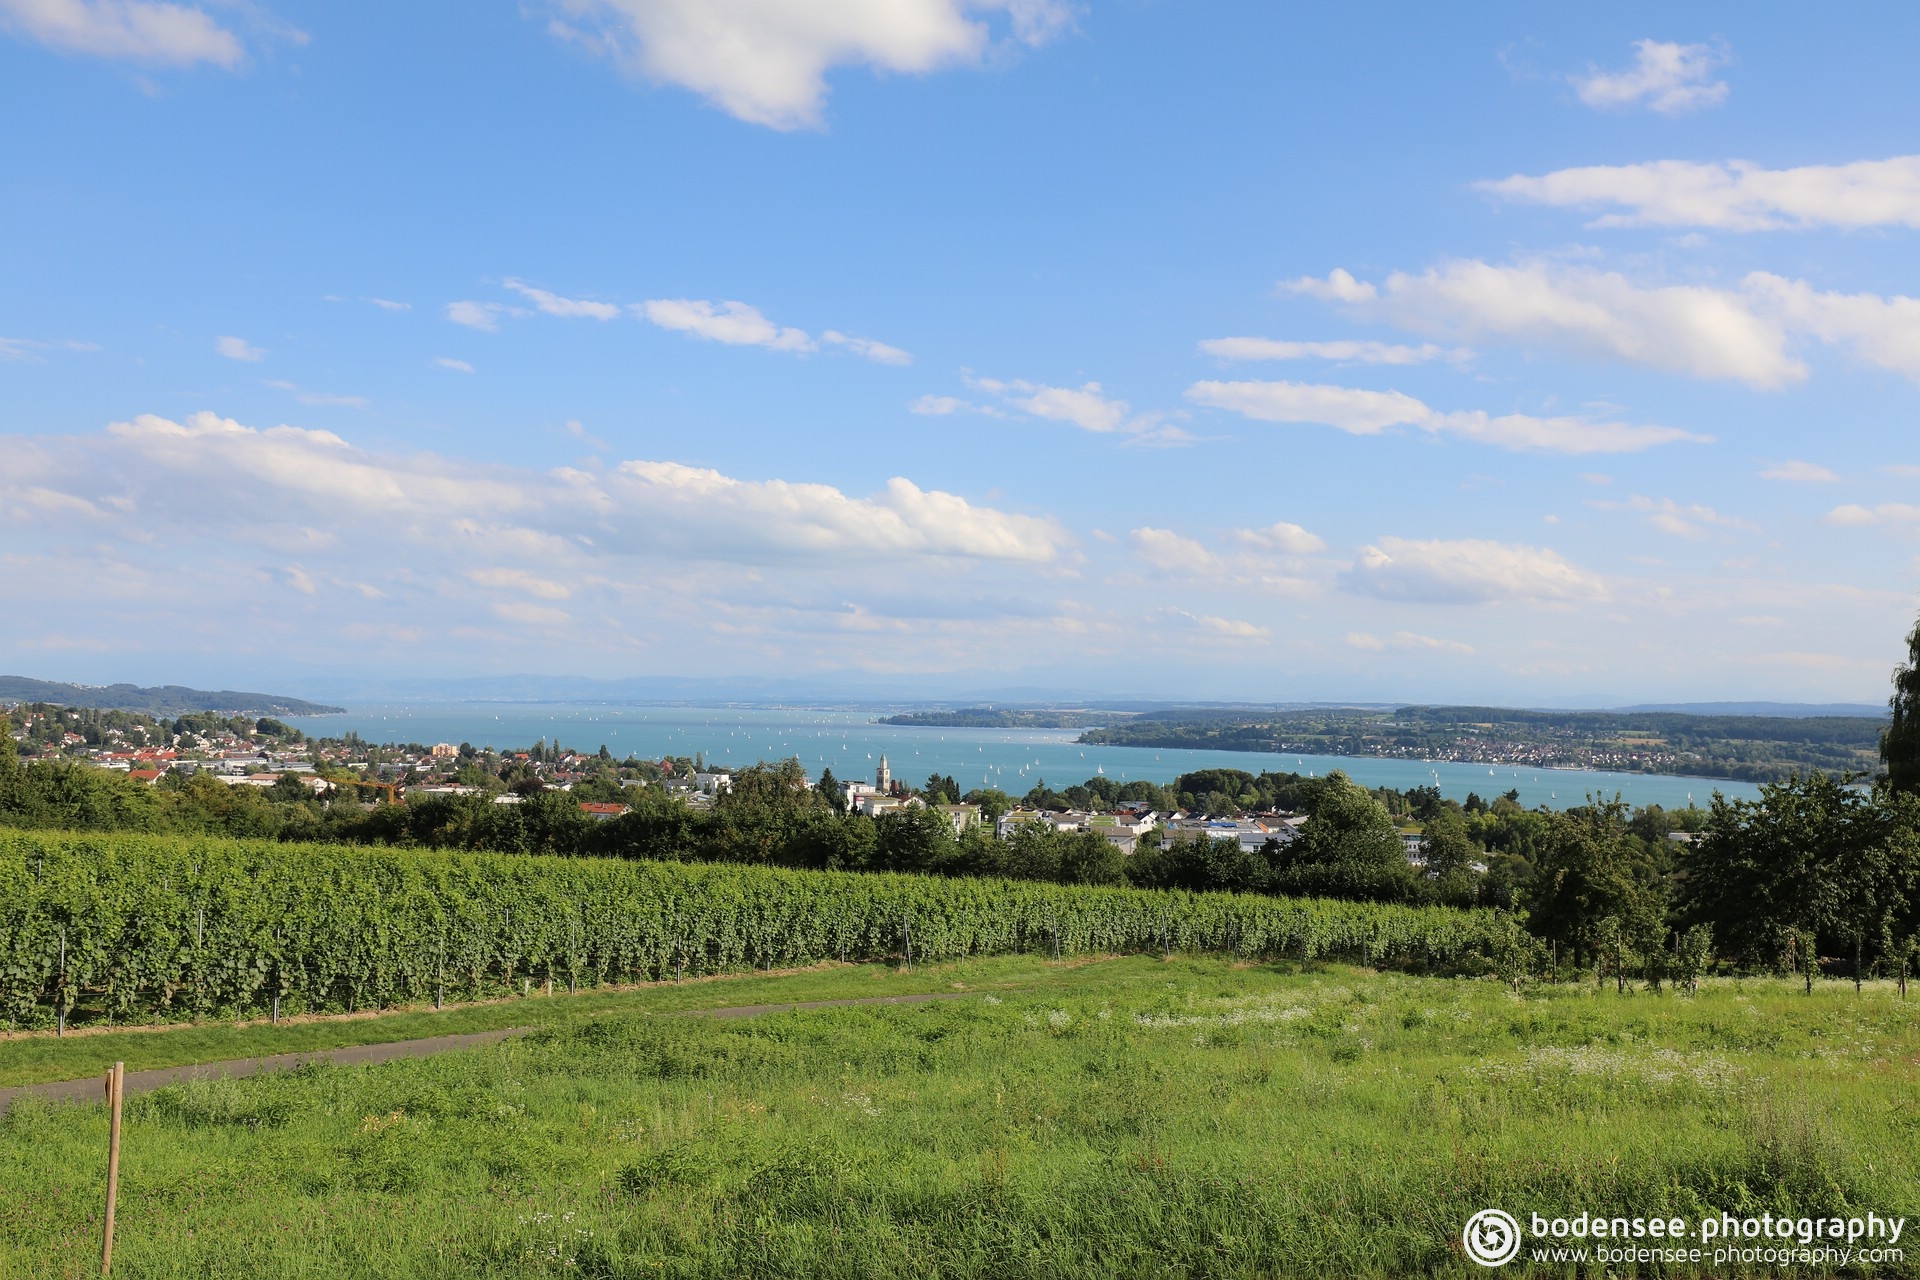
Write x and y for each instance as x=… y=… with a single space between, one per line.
x=91 y=1088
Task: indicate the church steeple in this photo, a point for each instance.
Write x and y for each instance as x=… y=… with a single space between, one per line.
x=883 y=776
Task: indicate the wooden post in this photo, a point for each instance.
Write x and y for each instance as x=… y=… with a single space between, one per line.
x=60 y=991
x=116 y=1091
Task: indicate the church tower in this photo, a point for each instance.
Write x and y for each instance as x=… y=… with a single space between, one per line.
x=883 y=776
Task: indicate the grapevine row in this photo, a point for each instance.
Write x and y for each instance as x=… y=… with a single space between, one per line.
x=143 y=927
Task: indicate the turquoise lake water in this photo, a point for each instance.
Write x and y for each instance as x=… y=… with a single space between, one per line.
x=1013 y=760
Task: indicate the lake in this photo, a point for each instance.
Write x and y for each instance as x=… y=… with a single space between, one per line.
x=1013 y=760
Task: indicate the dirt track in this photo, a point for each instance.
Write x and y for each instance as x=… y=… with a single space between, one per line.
x=92 y=1088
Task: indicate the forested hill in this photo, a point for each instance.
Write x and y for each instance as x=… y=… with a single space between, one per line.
x=166 y=700
x=1746 y=747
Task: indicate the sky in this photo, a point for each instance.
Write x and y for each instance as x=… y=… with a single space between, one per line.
x=1523 y=354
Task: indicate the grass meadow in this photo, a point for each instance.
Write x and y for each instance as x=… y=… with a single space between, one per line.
x=1119 y=1117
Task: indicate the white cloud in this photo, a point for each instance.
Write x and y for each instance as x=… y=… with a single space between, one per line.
x=1339 y=286
x=1282 y=536
x=1735 y=195
x=1905 y=470
x=458 y=366
x=533 y=615
x=734 y=323
x=1414 y=640
x=238 y=349
x=479 y=315
x=817 y=518
x=1367 y=641
x=1174 y=553
x=1692 y=329
x=1885 y=513
x=938 y=406
x=555 y=305
x=1665 y=77
x=1684 y=520
x=28 y=349
x=1348 y=351
x=1087 y=406
x=281 y=482
x=136 y=30
x=1799 y=473
x=520 y=580
x=1365 y=413
x=1468 y=571
x=866 y=348
x=1884 y=332
x=319 y=399
x=766 y=61
x=388 y=304
x=1235 y=627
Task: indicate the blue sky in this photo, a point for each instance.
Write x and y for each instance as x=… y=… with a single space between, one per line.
x=1517 y=353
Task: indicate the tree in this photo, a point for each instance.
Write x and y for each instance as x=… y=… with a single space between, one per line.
x=994 y=803
x=1348 y=827
x=832 y=790
x=1900 y=740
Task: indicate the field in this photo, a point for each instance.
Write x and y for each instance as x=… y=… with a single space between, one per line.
x=1129 y=1116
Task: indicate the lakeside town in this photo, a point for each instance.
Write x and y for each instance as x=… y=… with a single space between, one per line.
x=267 y=754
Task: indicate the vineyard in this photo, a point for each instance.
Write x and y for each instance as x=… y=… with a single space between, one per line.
x=142 y=928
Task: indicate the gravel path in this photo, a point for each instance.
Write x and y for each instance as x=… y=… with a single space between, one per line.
x=93 y=1088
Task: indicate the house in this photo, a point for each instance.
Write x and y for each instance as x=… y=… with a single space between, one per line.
x=962 y=816
x=148 y=776
x=713 y=783
x=874 y=805
x=603 y=812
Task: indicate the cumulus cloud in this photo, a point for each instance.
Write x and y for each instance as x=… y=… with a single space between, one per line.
x=1692 y=329
x=1174 y=553
x=458 y=366
x=1365 y=413
x=938 y=406
x=157 y=472
x=554 y=305
x=1665 y=77
x=133 y=30
x=1468 y=571
x=1898 y=513
x=766 y=61
x=1734 y=195
x=1367 y=641
x=1282 y=536
x=1346 y=351
x=238 y=349
x=1884 y=332
x=1799 y=473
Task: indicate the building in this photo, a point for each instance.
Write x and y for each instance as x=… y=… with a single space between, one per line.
x=962 y=816
x=883 y=776
x=445 y=751
x=602 y=812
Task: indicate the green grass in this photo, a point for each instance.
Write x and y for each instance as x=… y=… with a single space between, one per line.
x=42 y=1056
x=1128 y=1117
